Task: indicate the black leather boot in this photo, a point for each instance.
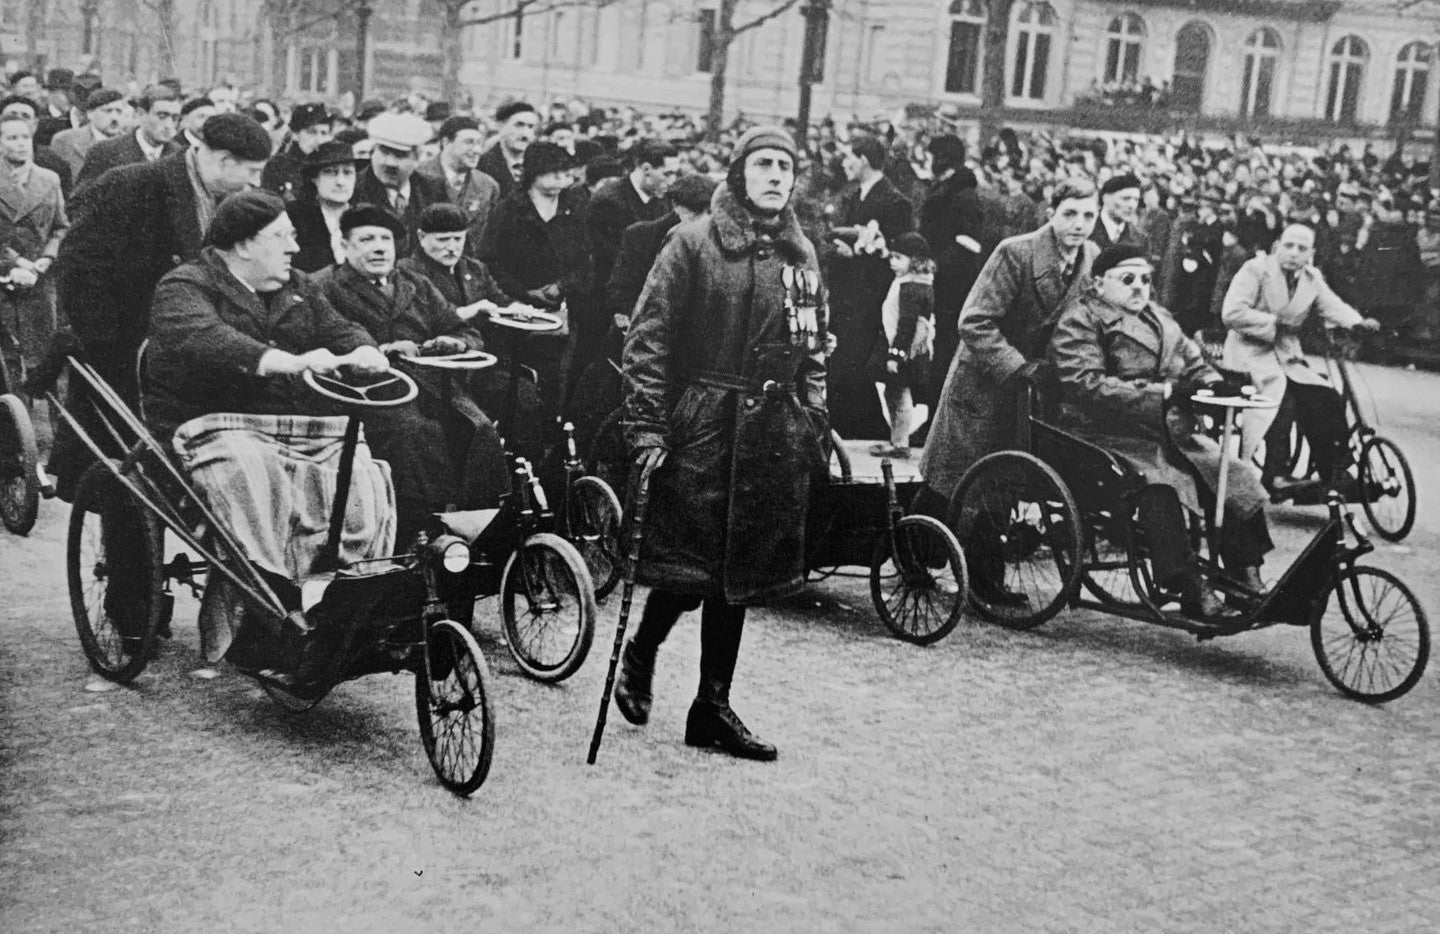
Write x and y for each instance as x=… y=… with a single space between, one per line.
x=632 y=685
x=712 y=725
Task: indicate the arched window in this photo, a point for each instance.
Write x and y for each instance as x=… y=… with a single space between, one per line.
x=967 y=35
x=1123 y=43
x=1262 y=54
x=1192 y=64
x=1412 y=76
x=1034 y=34
x=1347 y=74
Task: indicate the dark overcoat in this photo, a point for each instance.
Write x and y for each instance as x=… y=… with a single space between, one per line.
x=1007 y=323
x=424 y=191
x=113 y=153
x=32 y=223
x=477 y=198
x=208 y=333
x=1112 y=366
x=492 y=163
x=613 y=208
x=128 y=229
x=727 y=508
x=639 y=245
x=951 y=209
x=316 y=251
x=858 y=285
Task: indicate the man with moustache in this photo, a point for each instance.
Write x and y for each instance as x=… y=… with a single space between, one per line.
x=154 y=138
x=505 y=161
x=106 y=111
x=391 y=181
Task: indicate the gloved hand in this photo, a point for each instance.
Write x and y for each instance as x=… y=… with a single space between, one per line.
x=443 y=345
x=650 y=458
x=400 y=349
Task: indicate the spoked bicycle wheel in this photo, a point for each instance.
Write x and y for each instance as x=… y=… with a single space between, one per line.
x=452 y=702
x=1373 y=640
x=19 y=455
x=1387 y=489
x=1020 y=529
x=547 y=606
x=114 y=569
x=918 y=587
x=592 y=524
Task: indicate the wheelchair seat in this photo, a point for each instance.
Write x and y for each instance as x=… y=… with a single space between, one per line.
x=1100 y=481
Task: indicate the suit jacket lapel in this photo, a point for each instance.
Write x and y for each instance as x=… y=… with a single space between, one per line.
x=12 y=196
x=365 y=304
x=1277 y=293
x=1045 y=269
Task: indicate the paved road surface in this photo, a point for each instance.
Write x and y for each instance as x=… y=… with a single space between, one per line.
x=1091 y=776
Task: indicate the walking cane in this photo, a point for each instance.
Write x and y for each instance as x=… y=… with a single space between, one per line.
x=632 y=558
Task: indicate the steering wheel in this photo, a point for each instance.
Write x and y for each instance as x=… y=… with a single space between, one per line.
x=468 y=360
x=384 y=390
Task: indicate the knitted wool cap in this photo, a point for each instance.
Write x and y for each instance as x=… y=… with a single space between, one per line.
x=762 y=137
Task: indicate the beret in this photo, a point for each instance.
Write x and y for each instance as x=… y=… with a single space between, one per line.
x=1119 y=183
x=59 y=79
x=443 y=218
x=243 y=215
x=457 y=124
x=305 y=116
x=399 y=131
x=1115 y=255
x=507 y=110
x=237 y=134
x=911 y=244
x=194 y=104
x=8 y=100
x=102 y=96
x=369 y=215
x=762 y=137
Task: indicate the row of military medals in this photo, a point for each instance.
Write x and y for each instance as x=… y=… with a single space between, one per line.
x=802 y=305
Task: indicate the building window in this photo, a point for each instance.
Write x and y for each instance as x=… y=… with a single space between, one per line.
x=875 y=63
x=705 y=49
x=1034 y=34
x=1192 y=64
x=1347 y=74
x=1262 y=52
x=10 y=14
x=1123 y=42
x=967 y=34
x=1412 y=75
x=313 y=70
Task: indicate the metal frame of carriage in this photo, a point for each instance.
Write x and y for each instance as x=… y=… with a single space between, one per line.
x=20 y=486
x=917 y=572
x=351 y=621
x=1062 y=515
x=1386 y=484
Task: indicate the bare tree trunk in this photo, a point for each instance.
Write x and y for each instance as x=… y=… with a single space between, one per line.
x=992 y=82
x=719 y=65
x=35 y=28
x=452 y=51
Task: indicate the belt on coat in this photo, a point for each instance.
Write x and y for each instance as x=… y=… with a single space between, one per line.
x=720 y=380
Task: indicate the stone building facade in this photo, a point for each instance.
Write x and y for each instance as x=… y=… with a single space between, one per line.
x=1301 y=69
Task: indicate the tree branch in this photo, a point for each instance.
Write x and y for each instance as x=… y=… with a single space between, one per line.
x=527 y=8
x=764 y=18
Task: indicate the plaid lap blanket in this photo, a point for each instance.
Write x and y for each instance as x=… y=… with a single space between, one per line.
x=271 y=480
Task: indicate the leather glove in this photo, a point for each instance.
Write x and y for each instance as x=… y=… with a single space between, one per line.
x=400 y=349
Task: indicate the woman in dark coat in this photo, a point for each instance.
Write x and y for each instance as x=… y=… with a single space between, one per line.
x=535 y=247
x=327 y=185
x=950 y=224
x=725 y=399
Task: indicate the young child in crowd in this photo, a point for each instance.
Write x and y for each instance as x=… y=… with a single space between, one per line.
x=902 y=363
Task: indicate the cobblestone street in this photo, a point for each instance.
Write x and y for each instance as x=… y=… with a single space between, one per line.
x=1093 y=775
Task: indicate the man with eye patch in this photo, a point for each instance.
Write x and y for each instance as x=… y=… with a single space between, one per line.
x=1127 y=375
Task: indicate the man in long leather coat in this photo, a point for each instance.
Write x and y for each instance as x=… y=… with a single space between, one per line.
x=725 y=399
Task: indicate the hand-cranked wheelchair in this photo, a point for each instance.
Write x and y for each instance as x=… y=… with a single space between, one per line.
x=1060 y=515
x=1385 y=485
x=20 y=484
x=344 y=622
x=917 y=570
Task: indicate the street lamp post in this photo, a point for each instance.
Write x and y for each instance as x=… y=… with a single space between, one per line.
x=362 y=47
x=812 y=61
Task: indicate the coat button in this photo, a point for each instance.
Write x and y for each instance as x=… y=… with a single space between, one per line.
x=750 y=402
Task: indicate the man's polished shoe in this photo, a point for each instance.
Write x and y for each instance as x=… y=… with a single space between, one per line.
x=712 y=725
x=1282 y=488
x=633 y=686
x=1204 y=603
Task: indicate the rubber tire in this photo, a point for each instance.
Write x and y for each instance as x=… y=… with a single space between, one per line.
x=19 y=456
x=600 y=548
x=511 y=582
x=1343 y=594
x=909 y=585
x=95 y=486
x=457 y=639
x=1392 y=533
x=1068 y=569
